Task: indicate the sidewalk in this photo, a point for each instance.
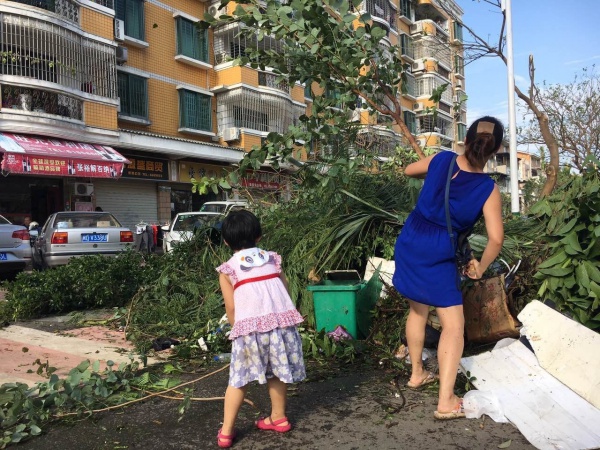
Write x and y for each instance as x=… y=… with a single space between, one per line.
x=22 y=344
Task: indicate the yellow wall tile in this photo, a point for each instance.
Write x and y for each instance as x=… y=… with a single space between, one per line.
x=95 y=22
x=100 y=115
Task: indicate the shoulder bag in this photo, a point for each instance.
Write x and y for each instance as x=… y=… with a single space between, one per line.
x=462 y=249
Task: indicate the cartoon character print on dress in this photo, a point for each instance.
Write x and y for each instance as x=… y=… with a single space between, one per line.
x=254 y=257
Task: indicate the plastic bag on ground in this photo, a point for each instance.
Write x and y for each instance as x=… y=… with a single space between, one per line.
x=478 y=403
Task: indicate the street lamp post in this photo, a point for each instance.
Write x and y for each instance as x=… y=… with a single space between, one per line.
x=512 y=115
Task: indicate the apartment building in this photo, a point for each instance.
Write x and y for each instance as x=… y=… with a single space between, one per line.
x=529 y=167
x=120 y=103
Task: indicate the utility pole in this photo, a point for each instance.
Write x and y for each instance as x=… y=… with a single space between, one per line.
x=512 y=115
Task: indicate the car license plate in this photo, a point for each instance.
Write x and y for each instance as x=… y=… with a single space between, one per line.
x=3 y=257
x=96 y=237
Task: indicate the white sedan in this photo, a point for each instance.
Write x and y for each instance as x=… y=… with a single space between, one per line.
x=183 y=226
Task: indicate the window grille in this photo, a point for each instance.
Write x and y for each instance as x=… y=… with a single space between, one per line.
x=132 y=13
x=40 y=50
x=429 y=47
x=133 y=93
x=191 y=41
x=194 y=110
x=66 y=9
x=441 y=125
x=261 y=111
x=410 y=119
x=229 y=44
x=406 y=8
x=106 y=3
x=270 y=80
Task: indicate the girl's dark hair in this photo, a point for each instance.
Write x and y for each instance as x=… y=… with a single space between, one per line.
x=483 y=139
x=241 y=229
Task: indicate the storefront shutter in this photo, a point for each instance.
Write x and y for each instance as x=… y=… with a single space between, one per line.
x=129 y=201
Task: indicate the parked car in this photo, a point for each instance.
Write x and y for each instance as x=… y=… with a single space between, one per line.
x=15 y=247
x=70 y=234
x=223 y=207
x=183 y=226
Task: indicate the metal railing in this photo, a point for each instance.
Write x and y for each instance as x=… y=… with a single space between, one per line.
x=41 y=101
x=67 y=9
x=270 y=80
x=39 y=50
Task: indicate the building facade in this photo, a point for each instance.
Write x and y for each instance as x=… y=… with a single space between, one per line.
x=139 y=81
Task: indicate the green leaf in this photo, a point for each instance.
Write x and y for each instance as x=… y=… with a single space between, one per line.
x=572 y=243
x=557 y=259
x=582 y=276
x=557 y=271
x=567 y=227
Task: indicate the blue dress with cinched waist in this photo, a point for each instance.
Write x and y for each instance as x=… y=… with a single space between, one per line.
x=425 y=267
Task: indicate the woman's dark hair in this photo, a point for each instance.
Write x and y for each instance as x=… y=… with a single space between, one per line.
x=241 y=229
x=483 y=139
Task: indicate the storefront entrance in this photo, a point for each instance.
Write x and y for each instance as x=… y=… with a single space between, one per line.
x=26 y=196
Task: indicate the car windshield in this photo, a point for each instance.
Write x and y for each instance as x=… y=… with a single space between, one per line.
x=4 y=221
x=85 y=220
x=189 y=222
x=213 y=208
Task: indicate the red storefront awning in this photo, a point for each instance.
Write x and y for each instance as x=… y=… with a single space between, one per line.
x=34 y=155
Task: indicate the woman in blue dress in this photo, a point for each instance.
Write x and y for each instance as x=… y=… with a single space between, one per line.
x=426 y=271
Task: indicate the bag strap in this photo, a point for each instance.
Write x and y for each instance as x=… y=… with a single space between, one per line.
x=447 y=202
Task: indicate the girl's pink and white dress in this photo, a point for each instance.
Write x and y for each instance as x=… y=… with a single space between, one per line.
x=266 y=342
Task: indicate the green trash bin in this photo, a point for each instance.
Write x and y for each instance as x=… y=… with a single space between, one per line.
x=345 y=300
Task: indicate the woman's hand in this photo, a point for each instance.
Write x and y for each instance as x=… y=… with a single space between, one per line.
x=474 y=270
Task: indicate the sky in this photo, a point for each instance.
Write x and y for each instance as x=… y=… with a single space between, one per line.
x=562 y=35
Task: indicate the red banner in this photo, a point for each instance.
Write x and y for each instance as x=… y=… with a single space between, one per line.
x=40 y=156
x=34 y=165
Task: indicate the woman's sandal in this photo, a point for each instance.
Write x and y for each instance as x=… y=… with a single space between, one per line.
x=430 y=378
x=225 y=441
x=274 y=425
x=457 y=413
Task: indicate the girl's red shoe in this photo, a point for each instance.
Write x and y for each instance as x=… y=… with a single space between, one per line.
x=274 y=425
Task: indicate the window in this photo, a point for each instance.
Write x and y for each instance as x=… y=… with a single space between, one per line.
x=410 y=121
x=194 y=110
x=458 y=31
x=133 y=93
x=406 y=8
x=191 y=41
x=249 y=118
x=462 y=132
x=308 y=89
x=459 y=65
x=132 y=13
x=406 y=46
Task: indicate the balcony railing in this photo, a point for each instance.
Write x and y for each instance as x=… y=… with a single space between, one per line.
x=67 y=9
x=41 y=102
x=36 y=50
x=270 y=80
x=381 y=9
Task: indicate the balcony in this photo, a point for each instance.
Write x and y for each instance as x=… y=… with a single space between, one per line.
x=38 y=53
x=252 y=109
x=382 y=12
x=41 y=103
x=67 y=9
x=269 y=80
x=430 y=27
x=430 y=48
x=230 y=44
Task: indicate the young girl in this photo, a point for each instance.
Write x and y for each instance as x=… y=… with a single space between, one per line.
x=266 y=344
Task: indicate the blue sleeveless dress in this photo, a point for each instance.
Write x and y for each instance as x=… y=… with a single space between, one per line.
x=425 y=266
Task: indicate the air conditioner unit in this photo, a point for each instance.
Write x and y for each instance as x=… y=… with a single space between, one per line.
x=119 y=30
x=419 y=106
x=84 y=189
x=422 y=142
x=215 y=11
x=458 y=84
x=456 y=99
x=121 y=54
x=418 y=66
x=231 y=134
